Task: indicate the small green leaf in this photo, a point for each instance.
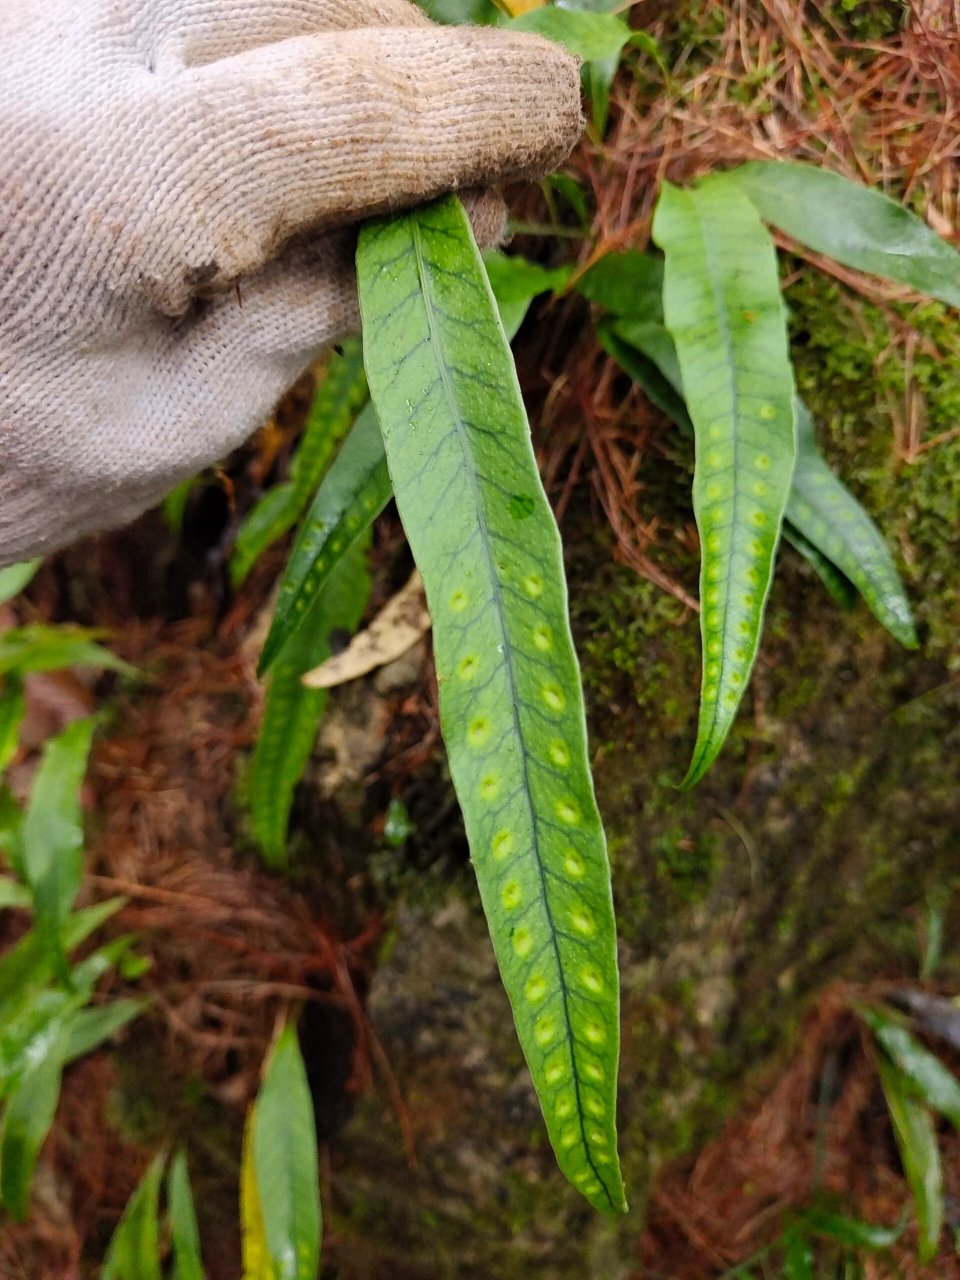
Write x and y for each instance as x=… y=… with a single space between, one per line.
x=487 y=546
x=29 y=965
x=292 y=713
x=851 y=224
x=853 y=1232
x=628 y=284
x=797 y=1254
x=134 y=1252
x=90 y=1028
x=593 y=37
x=352 y=495
x=40 y=648
x=187 y=1259
x=285 y=1164
x=26 y=1122
x=931 y=1081
x=14 y=578
x=726 y=316
x=515 y=282
x=919 y=1153
x=50 y=856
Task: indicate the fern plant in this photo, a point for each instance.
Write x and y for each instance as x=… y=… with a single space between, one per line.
x=279 y=1194
x=49 y=1015
x=702 y=326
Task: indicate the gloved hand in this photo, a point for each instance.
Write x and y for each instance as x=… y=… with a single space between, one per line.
x=177 y=180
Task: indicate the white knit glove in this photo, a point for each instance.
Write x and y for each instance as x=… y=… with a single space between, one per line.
x=177 y=180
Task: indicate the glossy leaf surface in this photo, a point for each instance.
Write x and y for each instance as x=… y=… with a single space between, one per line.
x=26 y=1122
x=931 y=1081
x=285 y=1164
x=919 y=1154
x=50 y=848
x=352 y=495
x=852 y=224
x=292 y=713
x=487 y=547
x=724 y=311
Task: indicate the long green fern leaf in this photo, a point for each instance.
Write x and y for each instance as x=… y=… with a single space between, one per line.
x=486 y=544
x=724 y=310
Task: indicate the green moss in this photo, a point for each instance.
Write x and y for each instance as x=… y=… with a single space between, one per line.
x=867 y=373
x=867 y=19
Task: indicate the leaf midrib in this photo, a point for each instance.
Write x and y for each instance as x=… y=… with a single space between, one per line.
x=470 y=471
x=724 y=327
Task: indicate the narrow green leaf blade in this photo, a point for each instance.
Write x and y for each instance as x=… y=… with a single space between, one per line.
x=487 y=546
x=134 y=1252
x=12 y=708
x=919 y=1154
x=26 y=1122
x=515 y=282
x=341 y=395
x=851 y=224
x=931 y=1081
x=40 y=648
x=352 y=495
x=28 y=965
x=338 y=399
x=273 y=515
x=853 y=1232
x=285 y=1163
x=726 y=316
x=292 y=713
x=187 y=1259
x=831 y=518
x=92 y=1027
x=51 y=842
